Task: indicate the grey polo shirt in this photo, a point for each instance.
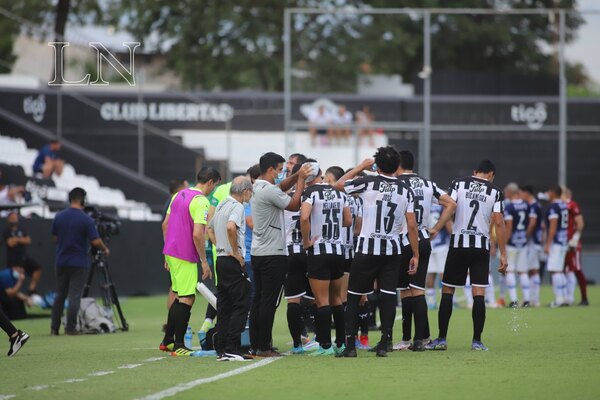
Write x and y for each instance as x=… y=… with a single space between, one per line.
x=268 y=235
x=229 y=210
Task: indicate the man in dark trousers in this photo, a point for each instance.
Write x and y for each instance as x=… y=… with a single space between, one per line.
x=227 y=230
x=73 y=230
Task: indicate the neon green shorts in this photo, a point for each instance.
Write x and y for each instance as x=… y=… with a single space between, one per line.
x=184 y=276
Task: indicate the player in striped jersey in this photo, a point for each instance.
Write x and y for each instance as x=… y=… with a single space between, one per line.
x=386 y=200
x=323 y=215
x=296 y=283
x=557 y=221
x=479 y=203
x=516 y=215
x=439 y=251
x=534 y=245
x=412 y=288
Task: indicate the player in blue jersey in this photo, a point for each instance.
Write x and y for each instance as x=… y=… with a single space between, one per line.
x=516 y=215
x=557 y=220
x=534 y=244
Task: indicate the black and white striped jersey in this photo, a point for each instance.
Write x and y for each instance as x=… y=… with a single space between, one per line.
x=326 y=218
x=476 y=200
x=293 y=235
x=425 y=191
x=386 y=200
x=355 y=205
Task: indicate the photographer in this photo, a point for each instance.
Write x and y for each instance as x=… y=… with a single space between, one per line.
x=73 y=232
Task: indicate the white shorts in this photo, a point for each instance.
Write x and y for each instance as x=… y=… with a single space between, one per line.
x=534 y=256
x=556 y=258
x=517 y=259
x=437 y=260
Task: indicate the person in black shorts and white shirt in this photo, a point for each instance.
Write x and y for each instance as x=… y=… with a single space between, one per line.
x=412 y=288
x=479 y=203
x=323 y=214
x=386 y=200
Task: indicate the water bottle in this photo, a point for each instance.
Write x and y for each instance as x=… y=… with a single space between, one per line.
x=201 y=337
x=187 y=339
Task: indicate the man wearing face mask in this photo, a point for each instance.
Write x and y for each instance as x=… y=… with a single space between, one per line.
x=268 y=249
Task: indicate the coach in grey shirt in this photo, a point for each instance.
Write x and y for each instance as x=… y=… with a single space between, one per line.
x=227 y=231
x=269 y=262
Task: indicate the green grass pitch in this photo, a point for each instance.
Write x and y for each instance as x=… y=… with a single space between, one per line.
x=534 y=354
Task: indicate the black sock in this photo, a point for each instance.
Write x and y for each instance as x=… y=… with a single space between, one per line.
x=478 y=316
x=444 y=314
x=294 y=318
x=338 y=320
x=182 y=318
x=211 y=312
x=170 y=328
x=350 y=320
x=363 y=318
x=344 y=305
x=6 y=325
x=323 y=325
x=387 y=307
x=420 y=314
x=407 y=312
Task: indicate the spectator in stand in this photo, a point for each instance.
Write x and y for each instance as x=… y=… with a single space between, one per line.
x=365 y=119
x=9 y=194
x=342 y=119
x=17 y=239
x=320 y=122
x=12 y=301
x=47 y=161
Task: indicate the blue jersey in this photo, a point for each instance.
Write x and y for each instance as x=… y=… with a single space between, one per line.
x=443 y=237
x=518 y=212
x=535 y=211
x=558 y=210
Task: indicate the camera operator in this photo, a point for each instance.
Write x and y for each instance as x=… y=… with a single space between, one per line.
x=73 y=231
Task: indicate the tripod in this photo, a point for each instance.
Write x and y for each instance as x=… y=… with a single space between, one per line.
x=109 y=293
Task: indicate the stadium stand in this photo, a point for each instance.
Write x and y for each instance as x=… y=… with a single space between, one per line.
x=50 y=195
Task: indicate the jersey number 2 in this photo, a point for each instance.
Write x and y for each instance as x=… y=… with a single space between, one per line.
x=475 y=206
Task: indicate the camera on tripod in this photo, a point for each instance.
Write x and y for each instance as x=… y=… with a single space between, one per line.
x=107 y=227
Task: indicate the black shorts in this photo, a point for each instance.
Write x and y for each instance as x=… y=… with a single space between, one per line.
x=460 y=262
x=296 y=282
x=325 y=267
x=368 y=268
x=347 y=265
x=322 y=131
x=406 y=281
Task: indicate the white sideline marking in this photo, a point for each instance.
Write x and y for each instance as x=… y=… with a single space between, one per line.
x=130 y=366
x=189 y=385
x=40 y=387
x=101 y=373
x=7 y=396
x=153 y=359
x=74 y=380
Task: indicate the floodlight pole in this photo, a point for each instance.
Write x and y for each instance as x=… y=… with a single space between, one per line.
x=562 y=106
x=287 y=79
x=140 y=124
x=425 y=136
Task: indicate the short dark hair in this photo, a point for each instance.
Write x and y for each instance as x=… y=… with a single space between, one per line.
x=175 y=185
x=336 y=171
x=297 y=167
x=208 y=174
x=300 y=158
x=486 y=166
x=55 y=141
x=254 y=171
x=407 y=160
x=269 y=160
x=77 y=194
x=387 y=159
x=527 y=188
x=557 y=190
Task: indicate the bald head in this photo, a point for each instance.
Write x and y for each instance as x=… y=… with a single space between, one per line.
x=511 y=190
x=239 y=184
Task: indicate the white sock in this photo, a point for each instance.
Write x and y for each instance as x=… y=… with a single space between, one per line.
x=468 y=293
x=534 y=283
x=502 y=284
x=559 y=286
x=571 y=283
x=511 y=285
x=490 y=293
x=430 y=293
x=525 y=286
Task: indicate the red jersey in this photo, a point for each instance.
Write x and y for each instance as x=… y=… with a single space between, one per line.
x=574 y=211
